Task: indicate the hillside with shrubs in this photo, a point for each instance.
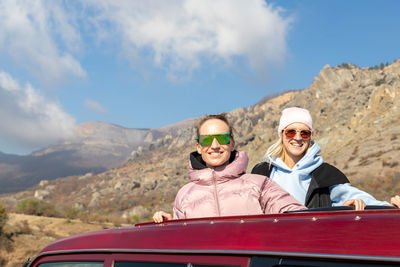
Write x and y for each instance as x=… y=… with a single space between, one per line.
x=22 y=236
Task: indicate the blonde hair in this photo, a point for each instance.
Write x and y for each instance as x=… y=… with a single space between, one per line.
x=275 y=151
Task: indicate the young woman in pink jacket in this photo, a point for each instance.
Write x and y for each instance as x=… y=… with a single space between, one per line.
x=219 y=185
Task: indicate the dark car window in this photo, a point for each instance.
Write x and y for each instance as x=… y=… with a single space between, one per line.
x=333 y=263
x=147 y=264
x=162 y=264
x=72 y=264
x=336 y=264
x=291 y=262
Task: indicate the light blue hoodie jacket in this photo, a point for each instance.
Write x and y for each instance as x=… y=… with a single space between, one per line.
x=297 y=180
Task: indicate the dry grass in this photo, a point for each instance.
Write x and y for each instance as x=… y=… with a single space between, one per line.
x=29 y=234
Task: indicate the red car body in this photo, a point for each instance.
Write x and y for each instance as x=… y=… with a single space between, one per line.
x=338 y=238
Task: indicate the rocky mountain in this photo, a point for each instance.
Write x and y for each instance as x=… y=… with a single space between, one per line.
x=356 y=114
x=95 y=147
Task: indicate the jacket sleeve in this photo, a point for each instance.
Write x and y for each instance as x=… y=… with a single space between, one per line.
x=276 y=200
x=178 y=212
x=342 y=192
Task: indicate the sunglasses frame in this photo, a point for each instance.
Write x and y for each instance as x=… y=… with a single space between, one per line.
x=217 y=136
x=307 y=133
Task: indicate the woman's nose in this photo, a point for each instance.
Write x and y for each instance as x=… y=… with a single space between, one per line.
x=215 y=143
x=298 y=136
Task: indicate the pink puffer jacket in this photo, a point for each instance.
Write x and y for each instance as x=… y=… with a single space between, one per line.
x=227 y=191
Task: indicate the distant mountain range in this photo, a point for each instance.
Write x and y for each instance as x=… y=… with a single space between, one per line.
x=356 y=114
x=94 y=148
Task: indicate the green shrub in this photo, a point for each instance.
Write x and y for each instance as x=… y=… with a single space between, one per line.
x=84 y=216
x=379 y=82
x=3 y=218
x=72 y=212
x=37 y=207
x=133 y=219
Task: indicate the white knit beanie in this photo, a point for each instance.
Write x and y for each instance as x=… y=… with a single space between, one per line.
x=292 y=115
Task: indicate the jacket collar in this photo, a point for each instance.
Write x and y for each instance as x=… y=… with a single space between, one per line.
x=202 y=175
x=309 y=162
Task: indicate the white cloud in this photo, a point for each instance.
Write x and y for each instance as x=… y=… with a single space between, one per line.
x=179 y=34
x=41 y=36
x=28 y=119
x=95 y=106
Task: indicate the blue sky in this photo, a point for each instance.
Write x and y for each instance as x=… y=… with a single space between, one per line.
x=152 y=63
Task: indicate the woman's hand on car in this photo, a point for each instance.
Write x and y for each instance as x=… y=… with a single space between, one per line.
x=358 y=204
x=161 y=216
x=395 y=201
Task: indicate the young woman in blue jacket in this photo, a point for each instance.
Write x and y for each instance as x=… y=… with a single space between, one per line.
x=295 y=164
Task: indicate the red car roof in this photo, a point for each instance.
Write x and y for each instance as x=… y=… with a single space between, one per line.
x=347 y=234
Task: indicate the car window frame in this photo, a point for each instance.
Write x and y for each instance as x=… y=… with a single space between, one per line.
x=233 y=260
x=261 y=261
x=110 y=258
x=105 y=258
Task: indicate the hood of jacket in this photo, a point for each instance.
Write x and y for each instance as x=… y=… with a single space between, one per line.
x=200 y=174
x=307 y=164
x=297 y=180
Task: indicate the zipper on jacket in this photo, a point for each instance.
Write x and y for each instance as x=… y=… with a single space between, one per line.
x=215 y=193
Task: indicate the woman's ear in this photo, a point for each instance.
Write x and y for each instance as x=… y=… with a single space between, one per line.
x=198 y=147
x=232 y=145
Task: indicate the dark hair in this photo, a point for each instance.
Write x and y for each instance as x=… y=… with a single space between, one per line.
x=221 y=116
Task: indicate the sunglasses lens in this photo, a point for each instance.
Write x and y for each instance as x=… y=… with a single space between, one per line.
x=305 y=134
x=206 y=140
x=290 y=133
x=223 y=139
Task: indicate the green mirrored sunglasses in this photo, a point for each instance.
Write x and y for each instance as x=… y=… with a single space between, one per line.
x=222 y=138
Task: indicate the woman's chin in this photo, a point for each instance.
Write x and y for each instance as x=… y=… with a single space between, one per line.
x=216 y=162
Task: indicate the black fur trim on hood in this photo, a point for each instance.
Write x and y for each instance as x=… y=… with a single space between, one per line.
x=198 y=163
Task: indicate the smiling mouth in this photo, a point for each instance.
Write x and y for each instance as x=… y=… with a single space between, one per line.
x=215 y=153
x=297 y=144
